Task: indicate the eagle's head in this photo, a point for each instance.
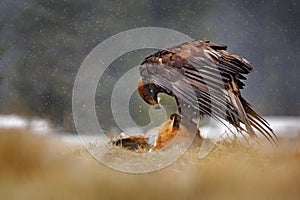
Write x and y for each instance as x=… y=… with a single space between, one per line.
x=149 y=92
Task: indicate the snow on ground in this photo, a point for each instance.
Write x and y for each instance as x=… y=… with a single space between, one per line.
x=283 y=126
x=36 y=125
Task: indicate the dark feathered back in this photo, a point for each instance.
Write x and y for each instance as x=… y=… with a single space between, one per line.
x=204 y=77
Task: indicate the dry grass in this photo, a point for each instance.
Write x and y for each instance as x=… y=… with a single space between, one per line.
x=39 y=167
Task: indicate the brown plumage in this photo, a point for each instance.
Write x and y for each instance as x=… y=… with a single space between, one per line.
x=205 y=80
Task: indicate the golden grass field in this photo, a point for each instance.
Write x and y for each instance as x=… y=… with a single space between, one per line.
x=41 y=167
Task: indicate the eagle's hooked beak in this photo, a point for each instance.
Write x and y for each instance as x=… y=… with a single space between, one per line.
x=148 y=92
x=155 y=103
x=157 y=106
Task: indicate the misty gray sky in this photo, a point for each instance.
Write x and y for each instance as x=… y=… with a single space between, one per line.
x=43 y=43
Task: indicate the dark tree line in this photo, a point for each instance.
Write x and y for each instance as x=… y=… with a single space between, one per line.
x=43 y=43
x=46 y=41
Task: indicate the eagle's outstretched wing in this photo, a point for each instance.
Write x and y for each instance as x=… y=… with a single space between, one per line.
x=205 y=79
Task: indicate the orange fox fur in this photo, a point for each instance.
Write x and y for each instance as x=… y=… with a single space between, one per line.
x=165 y=135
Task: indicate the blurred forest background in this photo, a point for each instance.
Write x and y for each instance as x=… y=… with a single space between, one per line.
x=44 y=42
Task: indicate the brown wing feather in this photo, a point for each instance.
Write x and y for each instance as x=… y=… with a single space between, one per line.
x=207 y=78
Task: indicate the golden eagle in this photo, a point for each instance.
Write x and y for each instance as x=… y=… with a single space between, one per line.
x=205 y=80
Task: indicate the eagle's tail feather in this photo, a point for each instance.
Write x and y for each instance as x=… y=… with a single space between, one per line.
x=241 y=113
x=258 y=122
x=249 y=118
